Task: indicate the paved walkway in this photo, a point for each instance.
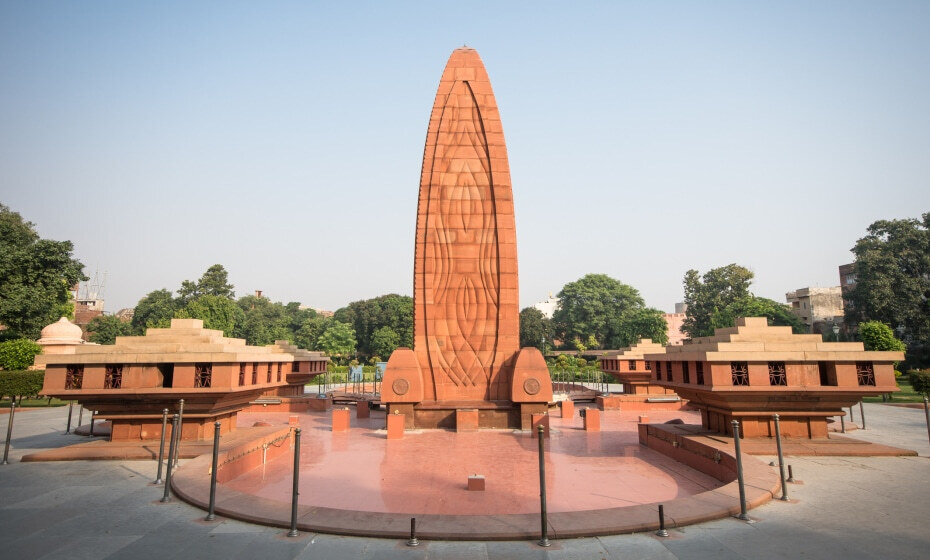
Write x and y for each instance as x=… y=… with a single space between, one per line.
x=845 y=508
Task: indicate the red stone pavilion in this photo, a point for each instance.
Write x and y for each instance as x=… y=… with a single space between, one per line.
x=752 y=371
x=129 y=383
x=629 y=367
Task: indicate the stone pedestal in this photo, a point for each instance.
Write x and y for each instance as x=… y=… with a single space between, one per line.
x=476 y=483
x=395 y=426
x=541 y=420
x=362 y=410
x=466 y=420
x=592 y=420
x=568 y=408
x=320 y=405
x=643 y=419
x=341 y=420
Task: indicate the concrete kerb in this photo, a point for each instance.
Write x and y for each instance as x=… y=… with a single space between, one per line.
x=191 y=483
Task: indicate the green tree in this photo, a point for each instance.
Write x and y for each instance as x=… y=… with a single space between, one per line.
x=535 y=329
x=384 y=341
x=36 y=277
x=214 y=282
x=778 y=314
x=309 y=332
x=876 y=335
x=217 y=312
x=265 y=321
x=154 y=311
x=369 y=315
x=718 y=288
x=18 y=354
x=104 y=329
x=641 y=323
x=338 y=340
x=596 y=305
x=893 y=277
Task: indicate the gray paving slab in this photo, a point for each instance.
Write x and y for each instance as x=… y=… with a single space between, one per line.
x=641 y=546
x=90 y=547
x=846 y=508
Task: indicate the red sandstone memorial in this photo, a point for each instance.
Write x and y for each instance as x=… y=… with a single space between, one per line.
x=630 y=367
x=466 y=354
x=129 y=383
x=751 y=371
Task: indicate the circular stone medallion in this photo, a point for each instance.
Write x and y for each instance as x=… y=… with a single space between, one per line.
x=531 y=386
x=400 y=386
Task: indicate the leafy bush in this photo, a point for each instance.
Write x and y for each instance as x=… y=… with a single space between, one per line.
x=920 y=380
x=21 y=383
x=18 y=354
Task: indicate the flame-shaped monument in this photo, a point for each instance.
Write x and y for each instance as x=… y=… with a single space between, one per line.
x=466 y=368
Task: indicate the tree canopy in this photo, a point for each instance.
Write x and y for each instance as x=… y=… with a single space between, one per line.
x=368 y=315
x=214 y=282
x=36 y=277
x=383 y=342
x=876 y=335
x=217 y=312
x=598 y=311
x=18 y=354
x=338 y=340
x=155 y=310
x=893 y=277
x=104 y=329
x=778 y=314
x=535 y=329
x=712 y=293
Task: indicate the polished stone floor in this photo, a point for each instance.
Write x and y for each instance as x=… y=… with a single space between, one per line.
x=426 y=472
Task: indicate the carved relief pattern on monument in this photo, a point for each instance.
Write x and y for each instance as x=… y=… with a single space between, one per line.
x=465 y=273
x=464 y=251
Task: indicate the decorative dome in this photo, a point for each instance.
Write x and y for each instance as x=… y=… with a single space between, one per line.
x=61 y=332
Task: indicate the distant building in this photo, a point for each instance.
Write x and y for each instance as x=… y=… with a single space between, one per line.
x=125 y=314
x=848 y=284
x=548 y=306
x=673 y=322
x=818 y=308
x=681 y=307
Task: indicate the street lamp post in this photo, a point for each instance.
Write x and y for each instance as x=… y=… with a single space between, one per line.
x=836 y=332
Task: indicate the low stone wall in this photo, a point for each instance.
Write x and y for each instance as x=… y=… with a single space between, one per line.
x=192 y=484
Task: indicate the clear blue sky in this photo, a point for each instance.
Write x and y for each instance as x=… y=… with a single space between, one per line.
x=284 y=140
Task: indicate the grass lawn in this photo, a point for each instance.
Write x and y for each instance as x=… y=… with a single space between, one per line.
x=33 y=403
x=907 y=393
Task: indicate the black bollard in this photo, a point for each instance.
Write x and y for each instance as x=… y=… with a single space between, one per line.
x=927 y=414
x=790 y=474
x=211 y=512
x=166 y=497
x=662 y=532
x=852 y=417
x=544 y=524
x=781 y=461
x=842 y=423
x=70 y=410
x=294 y=491
x=177 y=448
x=862 y=414
x=80 y=413
x=739 y=474
x=9 y=432
x=413 y=540
x=161 y=446
x=93 y=414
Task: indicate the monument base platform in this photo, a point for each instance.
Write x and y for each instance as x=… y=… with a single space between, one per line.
x=491 y=414
x=640 y=402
